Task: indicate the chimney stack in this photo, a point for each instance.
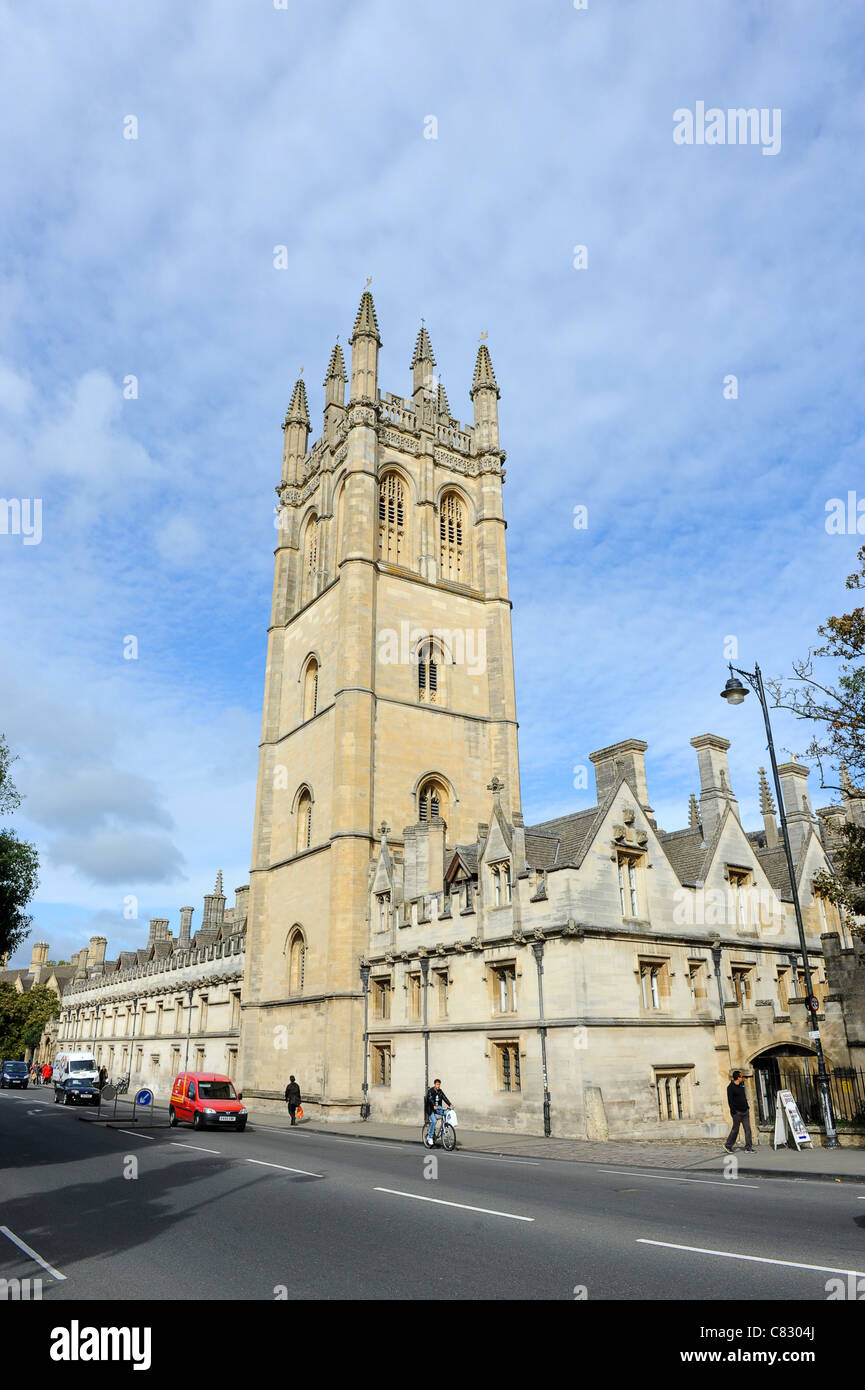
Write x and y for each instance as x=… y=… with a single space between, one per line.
x=185 y=938
x=797 y=807
x=627 y=757
x=715 y=789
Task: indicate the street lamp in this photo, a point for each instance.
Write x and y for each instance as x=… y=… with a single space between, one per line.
x=189 y=994
x=364 y=982
x=538 y=948
x=132 y=1039
x=734 y=693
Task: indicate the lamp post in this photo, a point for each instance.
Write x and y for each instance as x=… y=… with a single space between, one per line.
x=189 y=994
x=538 y=949
x=132 y=1039
x=364 y=982
x=734 y=693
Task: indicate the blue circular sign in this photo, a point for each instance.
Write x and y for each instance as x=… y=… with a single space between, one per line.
x=144 y=1097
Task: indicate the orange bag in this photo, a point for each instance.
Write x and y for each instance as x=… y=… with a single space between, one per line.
x=299 y=1113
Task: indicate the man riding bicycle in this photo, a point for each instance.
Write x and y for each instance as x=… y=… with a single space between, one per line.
x=435 y=1103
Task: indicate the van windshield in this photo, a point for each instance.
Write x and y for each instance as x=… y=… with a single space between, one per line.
x=84 y=1065
x=216 y=1090
x=15 y=1068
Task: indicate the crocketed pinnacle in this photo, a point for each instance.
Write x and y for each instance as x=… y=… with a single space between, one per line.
x=423 y=348
x=366 y=323
x=767 y=805
x=693 y=814
x=217 y=892
x=297 y=413
x=336 y=366
x=442 y=402
x=484 y=378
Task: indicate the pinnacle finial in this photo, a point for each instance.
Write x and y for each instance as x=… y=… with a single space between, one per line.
x=218 y=888
x=442 y=405
x=767 y=805
x=366 y=323
x=495 y=786
x=423 y=348
x=298 y=412
x=693 y=813
x=336 y=367
x=383 y=830
x=485 y=377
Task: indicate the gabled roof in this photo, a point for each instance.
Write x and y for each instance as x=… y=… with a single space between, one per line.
x=686 y=851
x=466 y=858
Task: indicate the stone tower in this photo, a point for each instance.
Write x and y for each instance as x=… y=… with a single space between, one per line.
x=389 y=693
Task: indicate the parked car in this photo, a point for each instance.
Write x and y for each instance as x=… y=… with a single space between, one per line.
x=77 y=1091
x=206 y=1098
x=14 y=1074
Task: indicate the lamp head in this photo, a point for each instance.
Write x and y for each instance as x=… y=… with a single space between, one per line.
x=734 y=691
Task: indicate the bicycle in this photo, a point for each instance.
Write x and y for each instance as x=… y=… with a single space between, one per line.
x=444 y=1134
x=122 y=1086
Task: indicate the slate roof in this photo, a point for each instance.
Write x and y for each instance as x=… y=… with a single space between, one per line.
x=569 y=836
x=686 y=851
x=773 y=862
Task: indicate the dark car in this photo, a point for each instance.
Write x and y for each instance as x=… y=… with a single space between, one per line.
x=75 y=1091
x=14 y=1074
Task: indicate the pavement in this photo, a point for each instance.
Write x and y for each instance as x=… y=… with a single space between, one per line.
x=841 y=1165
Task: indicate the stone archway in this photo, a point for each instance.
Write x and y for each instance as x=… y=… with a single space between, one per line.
x=788 y=1067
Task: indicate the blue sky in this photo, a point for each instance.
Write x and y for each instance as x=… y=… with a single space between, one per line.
x=304 y=127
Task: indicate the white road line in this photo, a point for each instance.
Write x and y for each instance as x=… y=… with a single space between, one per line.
x=55 y=1273
x=179 y=1145
x=261 y=1163
x=150 y=1137
x=462 y=1205
x=402 y=1146
x=756 y=1259
x=662 y=1177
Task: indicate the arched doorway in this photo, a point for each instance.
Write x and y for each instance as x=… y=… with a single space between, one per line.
x=787 y=1067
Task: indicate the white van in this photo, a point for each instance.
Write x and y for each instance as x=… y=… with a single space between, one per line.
x=79 y=1066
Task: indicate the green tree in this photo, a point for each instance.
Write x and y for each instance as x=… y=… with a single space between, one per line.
x=19 y=865
x=828 y=691
x=23 y=1017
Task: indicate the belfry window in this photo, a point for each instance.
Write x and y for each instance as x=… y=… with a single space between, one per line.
x=428 y=673
x=296 y=961
x=431 y=801
x=391 y=518
x=451 y=527
x=310 y=689
x=304 y=821
x=310 y=560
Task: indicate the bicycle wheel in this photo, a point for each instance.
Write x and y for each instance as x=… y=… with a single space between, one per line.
x=423 y=1134
x=449 y=1138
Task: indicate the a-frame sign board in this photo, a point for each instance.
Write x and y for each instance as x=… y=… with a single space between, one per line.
x=787 y=1113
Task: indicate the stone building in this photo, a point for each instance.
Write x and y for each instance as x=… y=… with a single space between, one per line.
x=404 y=922
x=143 y=1013
x=53 y=976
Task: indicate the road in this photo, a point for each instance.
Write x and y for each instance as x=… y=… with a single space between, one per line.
x=171 y=1213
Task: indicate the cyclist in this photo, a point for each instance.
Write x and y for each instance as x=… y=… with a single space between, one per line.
x=434 y=1098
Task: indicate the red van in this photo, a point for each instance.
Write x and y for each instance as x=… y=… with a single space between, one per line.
x=202 y=1098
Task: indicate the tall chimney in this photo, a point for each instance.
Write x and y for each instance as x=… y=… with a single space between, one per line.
x=96 y=951
x=627 y=757
x=715 y=789
x=185 y=937
x=797 y=807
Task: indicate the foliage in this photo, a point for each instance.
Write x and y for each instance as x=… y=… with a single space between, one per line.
x=23 y=1018
x=19 y=865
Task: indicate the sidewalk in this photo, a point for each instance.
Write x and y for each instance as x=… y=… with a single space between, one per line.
x=686 y=1155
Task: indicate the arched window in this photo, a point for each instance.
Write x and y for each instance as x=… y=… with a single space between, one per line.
x=296 y=961
x=430 y=686
x=452 y=563
x=391 y=519
x=431 y=800
x=310 y=689
x=304 y=820
x=309 y=560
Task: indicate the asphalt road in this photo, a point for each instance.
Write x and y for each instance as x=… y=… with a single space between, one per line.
x=272 y=1213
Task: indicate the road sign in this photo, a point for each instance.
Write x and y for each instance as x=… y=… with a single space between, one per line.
x=108 y=1092
x=144 y=1097
x=814 y=1004
x=787 y=1113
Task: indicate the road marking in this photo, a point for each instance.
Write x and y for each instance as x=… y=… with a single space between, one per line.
x=756 y=1259
x=55 y=1273
x=662 y=1177
x=462 y=1205
x=179 y=1145
x=261 y=1163
x=150 y=1137
x=407 y=1146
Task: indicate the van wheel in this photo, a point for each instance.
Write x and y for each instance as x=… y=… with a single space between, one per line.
x=56 y=1097
x=241 y=1125
x=196 y=1121
x=172 y=1118
x=66 y=1097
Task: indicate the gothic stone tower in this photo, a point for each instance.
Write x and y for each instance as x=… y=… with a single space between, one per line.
x=389 y=695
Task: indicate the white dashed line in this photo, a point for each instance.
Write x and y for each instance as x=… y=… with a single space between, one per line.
x=178 y=1145
x=662 y=1177
x=756 y=1259
x=261 y=1163
x=485 y=1211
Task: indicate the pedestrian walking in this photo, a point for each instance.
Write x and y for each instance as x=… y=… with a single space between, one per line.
x=292 y=1098
x=103 y=1077
x=739 y=1113
x=46 y=1074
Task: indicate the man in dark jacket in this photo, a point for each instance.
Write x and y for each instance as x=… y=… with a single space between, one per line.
x=738 y=1103
x=434 y=1104
x=292 y=1098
